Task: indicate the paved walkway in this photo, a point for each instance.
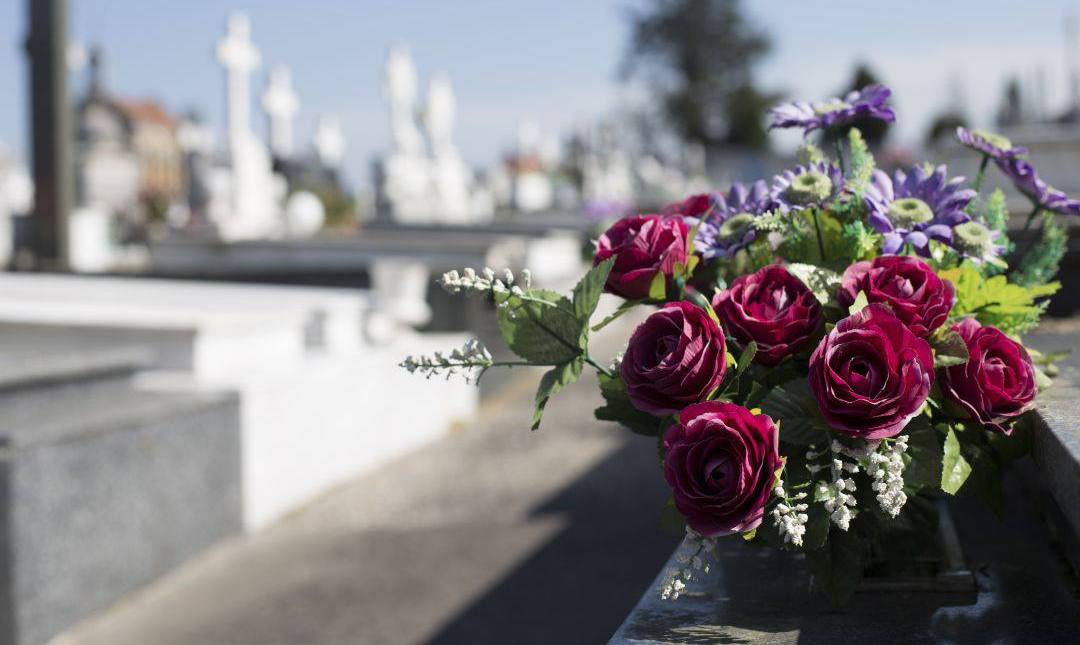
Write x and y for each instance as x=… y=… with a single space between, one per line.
x=491 y=535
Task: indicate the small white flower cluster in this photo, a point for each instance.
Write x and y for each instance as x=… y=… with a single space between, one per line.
x=616 y=362
x=689 y=565
x=471 y=356
x=838 y=494
x=485 y=281
x=886 y=468
x=790 y=515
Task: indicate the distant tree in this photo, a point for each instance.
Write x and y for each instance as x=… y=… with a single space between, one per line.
x=698 y=56
x=873 y=130
x=944 y=125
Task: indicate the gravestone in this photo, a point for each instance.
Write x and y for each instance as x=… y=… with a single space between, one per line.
x=281 y=104
x=105 y=485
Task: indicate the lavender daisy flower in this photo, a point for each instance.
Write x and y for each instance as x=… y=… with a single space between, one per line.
x=869 y=102
x=978 y=243
x=806 y=187
x=1040 y=193
x=728 y=224
x=989 y=143
x=916 y=207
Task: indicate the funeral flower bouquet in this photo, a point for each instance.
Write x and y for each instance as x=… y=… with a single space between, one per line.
x=828 y=350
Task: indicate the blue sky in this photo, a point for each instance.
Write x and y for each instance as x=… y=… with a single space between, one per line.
x=553 y=61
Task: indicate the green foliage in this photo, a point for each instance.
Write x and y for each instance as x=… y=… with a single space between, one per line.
x=1040 y=264
x=545 y=333
x=860 y=164
x=823 y=282
x=554 y=380
x=922 y=460
x=954 y=467
x=838 y=565
x=861 y=302
x=586 y=295
x=809 y=154
x=1012 y=308
x=949 y=348
x=626 y=306
x=860 y=242
x=795 y=407
x=617 y=408
x=801 y=239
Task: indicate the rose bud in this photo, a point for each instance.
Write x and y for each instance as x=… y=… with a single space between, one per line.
x=771 y=307
x=643 y=246
x=871 y=374
x=997 y=383
x=675 y=358
x=721 y=461
x=907 y=285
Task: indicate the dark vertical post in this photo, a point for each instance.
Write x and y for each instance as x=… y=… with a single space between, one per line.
x=50 y=116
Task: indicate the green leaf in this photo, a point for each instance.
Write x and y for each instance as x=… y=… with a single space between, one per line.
x=554 y=380
x=746 y=358
x=1040 y=264
x=546 y=334
x=923 y=457
x=623 y=308
x=995 y=301
x=587 y=292
x=618 y=408
x=954 y=468
x=949 y=349
x=823 y=282
x=658 y=287
x=838 y=566
x=794 y=405
x=860 y=303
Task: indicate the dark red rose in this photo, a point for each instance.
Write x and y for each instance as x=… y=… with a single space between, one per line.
x=907 y=285
x=675 y=358
x=997 y=383
x=772 y=308
x=871 y=374
x=692 y=206
x=643 y=245
x=721 y=461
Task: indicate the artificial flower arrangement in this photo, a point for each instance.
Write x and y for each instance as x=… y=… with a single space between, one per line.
x=829 y=350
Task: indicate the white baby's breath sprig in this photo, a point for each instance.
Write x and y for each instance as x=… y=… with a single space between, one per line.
x=484 y=281
x=886 y=468
x=689 y=566
x=789 y=514
x=838 y=494
x=471 y=360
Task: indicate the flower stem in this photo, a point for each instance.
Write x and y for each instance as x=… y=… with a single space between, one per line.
x=820 y=242
x=981 y=174
x=1027 y=225
x=840 y=153
x=599 y=368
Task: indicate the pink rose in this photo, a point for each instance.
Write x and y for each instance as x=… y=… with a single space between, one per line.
x=771 y=308
x=675 y=358
x=643 y=246
x=997 y=383
x=871 y=374
x=721 y=461
x=907 y=285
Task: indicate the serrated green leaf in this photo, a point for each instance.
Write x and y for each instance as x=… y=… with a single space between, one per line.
x=546 y=334
x=949 y=349
x=586 y=294
x=1012 y=308
x=554 y=380
x=954 y=468
x=746 y=358
x=618 y=408
x=795 y=405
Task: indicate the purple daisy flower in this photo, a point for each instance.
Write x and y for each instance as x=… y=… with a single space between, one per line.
x=978 y=243
x=1040 y=193
x=729 y=221
x=806 y=187
x=869 y=102
x=989 y=143
x=916 y=207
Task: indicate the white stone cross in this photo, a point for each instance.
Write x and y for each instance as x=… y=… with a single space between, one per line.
x=239 y=58
x=281 y=105
x=329 y=141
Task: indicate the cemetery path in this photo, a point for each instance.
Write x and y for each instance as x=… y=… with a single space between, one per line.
x=492 y=534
